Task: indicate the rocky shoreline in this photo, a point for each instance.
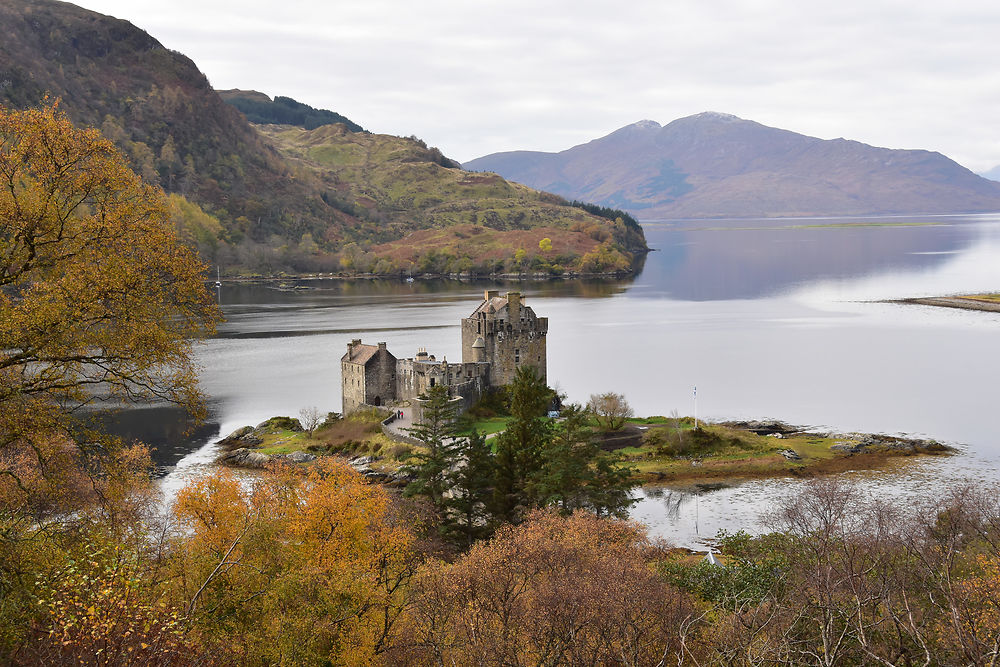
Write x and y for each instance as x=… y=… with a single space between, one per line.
x=238 y=450
x=848 y=443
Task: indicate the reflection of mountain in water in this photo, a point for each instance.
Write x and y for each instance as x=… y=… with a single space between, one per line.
x=720 y=260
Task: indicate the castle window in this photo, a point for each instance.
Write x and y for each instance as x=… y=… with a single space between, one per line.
x=479 y=327
x=432 y=382
x=517 y=356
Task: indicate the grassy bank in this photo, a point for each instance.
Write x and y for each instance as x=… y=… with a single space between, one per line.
x=668 y=451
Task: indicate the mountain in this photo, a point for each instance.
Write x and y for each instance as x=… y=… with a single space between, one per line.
x=254 y=203
x=717 y=165
x=993 y=174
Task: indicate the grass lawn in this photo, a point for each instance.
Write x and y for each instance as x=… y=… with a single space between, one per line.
x=486 y=426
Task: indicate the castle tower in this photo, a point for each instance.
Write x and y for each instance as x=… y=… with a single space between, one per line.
x=506 y=334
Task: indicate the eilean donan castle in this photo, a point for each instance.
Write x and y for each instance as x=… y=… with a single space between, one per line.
x=501 y=335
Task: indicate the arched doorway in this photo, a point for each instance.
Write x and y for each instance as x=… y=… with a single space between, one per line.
x=377 y=400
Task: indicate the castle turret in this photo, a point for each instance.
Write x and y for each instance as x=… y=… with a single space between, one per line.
x=510 y=334
x=479 y=350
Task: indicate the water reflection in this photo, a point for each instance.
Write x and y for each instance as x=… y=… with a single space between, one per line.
x=741 y=259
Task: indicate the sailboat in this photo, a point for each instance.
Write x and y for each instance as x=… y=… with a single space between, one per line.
x=218 y=277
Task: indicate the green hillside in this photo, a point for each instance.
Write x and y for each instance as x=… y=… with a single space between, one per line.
x=328 y=200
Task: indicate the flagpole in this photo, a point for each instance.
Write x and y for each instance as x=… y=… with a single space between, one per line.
x=696 y=407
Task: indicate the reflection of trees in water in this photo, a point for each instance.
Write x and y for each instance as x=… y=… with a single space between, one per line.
x=168 y=430
x=308 y=290
x=670 y=499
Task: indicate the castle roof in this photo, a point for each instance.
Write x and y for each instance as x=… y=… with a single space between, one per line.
x=360 y=353
x=491 y=305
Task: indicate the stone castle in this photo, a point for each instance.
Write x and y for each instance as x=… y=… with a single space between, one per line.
x=501 y=335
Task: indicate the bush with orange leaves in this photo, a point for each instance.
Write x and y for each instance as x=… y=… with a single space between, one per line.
x=553 y=590
x=292 y=567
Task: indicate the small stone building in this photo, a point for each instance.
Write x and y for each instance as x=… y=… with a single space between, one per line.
x=501 y=335
x=368 y=376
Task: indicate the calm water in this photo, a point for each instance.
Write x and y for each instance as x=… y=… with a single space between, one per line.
x=768 y=318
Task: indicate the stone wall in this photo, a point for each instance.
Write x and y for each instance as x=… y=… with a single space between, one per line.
x=380 y=378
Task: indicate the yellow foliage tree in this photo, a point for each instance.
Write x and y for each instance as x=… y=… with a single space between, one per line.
x=296 y=568
x=96 y=290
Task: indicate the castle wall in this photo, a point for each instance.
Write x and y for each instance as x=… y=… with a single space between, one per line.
x=380 y=378
x=352 y=378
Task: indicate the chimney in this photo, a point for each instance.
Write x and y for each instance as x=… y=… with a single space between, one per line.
x=381 y=346
x=514 y=306
x=491 y=293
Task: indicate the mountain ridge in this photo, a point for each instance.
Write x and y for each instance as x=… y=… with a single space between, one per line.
x=712 y=165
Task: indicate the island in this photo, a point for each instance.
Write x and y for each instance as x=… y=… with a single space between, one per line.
x=658 y=449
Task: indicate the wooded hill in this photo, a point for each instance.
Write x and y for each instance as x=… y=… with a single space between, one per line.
x=251 y=208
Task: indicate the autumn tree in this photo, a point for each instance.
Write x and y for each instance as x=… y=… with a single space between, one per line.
x=554 y=590
x=610 y=410
x=99 y=301
x=98 y=298
x=294 y=568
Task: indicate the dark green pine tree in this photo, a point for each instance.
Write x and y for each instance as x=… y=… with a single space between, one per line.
x=519 y=449
x=467 y=515
x=577 y=474
x=437 y=430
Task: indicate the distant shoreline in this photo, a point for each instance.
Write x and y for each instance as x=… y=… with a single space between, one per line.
x=524 y=277
x=969 y=302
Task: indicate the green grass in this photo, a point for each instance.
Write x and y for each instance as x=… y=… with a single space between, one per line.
x=487 y=426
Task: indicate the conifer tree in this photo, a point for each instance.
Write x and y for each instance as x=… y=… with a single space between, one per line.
x=467 y=517
x=520 y=447
x=576 y=474
x=437 y=430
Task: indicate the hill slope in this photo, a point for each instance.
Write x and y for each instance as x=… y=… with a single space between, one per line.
x=718 y=165
x=262 y=210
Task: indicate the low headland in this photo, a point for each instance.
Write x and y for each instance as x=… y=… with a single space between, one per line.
x=658 y=450
x=987 y=302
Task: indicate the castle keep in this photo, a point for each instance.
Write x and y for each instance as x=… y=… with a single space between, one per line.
x=501 y=335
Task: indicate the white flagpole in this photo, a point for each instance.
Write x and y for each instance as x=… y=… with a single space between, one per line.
x=696 y=407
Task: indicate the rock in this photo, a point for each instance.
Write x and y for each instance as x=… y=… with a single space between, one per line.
x=241 y=437
x=775 y=435
x=244 y=458
x=844 y=447
x=791 y=455
x=300 y=457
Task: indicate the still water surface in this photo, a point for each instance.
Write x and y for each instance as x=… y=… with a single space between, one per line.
x=778 y=319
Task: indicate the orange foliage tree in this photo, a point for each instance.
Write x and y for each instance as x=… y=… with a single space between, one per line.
x=551 y=591
x=292 y=568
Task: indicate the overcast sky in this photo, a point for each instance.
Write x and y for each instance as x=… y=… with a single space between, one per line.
x=479 y=76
